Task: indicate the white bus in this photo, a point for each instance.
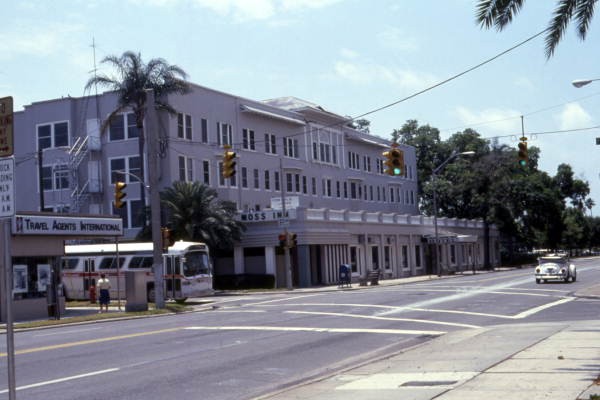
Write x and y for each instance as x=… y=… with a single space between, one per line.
x=188 y=272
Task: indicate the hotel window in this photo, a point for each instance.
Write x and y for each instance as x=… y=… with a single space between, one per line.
x=304 y=185
x=248 y=139
x=270 y=144
x=244 y=177
x=125 y=169
x=55 y=134
x=391 y=195
x=345 y=190
x=267 y=180
x=313 y=182
x=185 y=169
x=353 y=160
x=204 y=130
x=290 y=147
x=132 y=214
x=224 y=134
x=315 y=151
x=184 y=126
x=206 y=172
x=256 y=179
x=277 y=181
x=371 y=192
x=337 y=189
x=367 y=163
x=123 y=126
x=55 y=177
x=297 y=182
x=289 y=182
x=353 y=193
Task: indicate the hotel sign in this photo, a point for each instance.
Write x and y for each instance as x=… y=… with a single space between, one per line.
x=66 y=226
x=266 y=216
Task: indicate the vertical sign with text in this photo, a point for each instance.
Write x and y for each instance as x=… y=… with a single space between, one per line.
x=6 y=127
x=7 y=187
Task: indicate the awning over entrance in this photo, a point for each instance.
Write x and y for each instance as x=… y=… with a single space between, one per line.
x=449 y=237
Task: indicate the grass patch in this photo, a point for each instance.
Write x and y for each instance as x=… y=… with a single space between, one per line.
x=95 y=316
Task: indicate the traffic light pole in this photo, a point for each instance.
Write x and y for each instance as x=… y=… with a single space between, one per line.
x=286 y=248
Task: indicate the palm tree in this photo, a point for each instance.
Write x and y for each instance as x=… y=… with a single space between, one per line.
x=500 y=13
x=194 y=212
x=133 y=77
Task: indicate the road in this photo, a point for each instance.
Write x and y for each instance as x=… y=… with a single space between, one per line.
x=255 y=344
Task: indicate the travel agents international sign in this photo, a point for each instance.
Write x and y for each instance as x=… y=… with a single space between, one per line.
x=67 y=226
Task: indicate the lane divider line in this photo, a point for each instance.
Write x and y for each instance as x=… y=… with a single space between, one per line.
x=90 y=341
x=59 y=380
x=311 y=329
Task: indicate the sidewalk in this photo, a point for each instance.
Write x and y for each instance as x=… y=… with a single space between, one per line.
x=541 y=361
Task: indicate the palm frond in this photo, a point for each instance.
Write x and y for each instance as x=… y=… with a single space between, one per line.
x=558 y=24
x=583 y=15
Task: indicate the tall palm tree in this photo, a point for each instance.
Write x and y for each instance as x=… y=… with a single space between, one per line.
x=194 y=212
x=500 y=13
x=133 y=77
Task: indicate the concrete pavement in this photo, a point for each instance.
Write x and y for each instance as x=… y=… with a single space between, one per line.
x=536 y=361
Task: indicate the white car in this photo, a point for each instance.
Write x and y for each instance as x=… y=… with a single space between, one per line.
x=555 y=267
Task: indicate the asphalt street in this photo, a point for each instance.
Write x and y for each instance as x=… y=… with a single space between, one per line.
x=312 y=343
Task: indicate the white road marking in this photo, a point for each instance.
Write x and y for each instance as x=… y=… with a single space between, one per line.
x=423 y=321
x=312 y=329
x=59 y=380
x=534 y=310
x=397 y=309
x=468 y=289
x=282 y=299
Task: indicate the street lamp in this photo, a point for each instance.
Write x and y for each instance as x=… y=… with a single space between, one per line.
x=582 y=82
x=434 y=173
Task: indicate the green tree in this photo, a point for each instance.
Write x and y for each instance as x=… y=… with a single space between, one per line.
x=195 y=213
x=133 y=77
x=430 y=150
x=500 y=13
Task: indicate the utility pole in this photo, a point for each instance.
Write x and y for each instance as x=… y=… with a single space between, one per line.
x=286 y=248
x=151 y=132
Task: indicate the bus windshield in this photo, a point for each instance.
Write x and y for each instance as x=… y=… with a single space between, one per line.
x=196 y=263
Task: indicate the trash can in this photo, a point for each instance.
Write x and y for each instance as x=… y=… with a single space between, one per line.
x=344 y=275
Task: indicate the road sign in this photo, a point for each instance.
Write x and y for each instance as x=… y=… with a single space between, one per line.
x=6 y=127
x=7 y=187
x=284 y=222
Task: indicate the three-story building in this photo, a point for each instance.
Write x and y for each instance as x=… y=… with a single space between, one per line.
x=339 y=201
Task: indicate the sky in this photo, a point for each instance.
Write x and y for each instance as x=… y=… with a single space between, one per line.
x=349 y=56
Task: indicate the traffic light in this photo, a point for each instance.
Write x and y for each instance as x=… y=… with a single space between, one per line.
x=167 y=240
x=394 y=161
x=282 y=240
x=292 y=240
x=120 y=194
x=523 y=156
x=229 y=162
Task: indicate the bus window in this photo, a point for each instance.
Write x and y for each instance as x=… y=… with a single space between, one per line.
x=196 y=263
x=109 y=263
x=140 y=262
x=69 y=263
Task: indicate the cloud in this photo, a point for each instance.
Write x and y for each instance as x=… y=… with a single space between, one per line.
x=371 y=73
x=347 y=53
x=395 y=38
x=573 y=116
x=251 y=10
x=38 y=41
x=501 y=121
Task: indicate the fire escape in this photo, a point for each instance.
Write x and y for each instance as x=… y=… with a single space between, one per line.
x=85 y=168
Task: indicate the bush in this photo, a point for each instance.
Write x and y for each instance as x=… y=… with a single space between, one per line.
x=243 y=281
